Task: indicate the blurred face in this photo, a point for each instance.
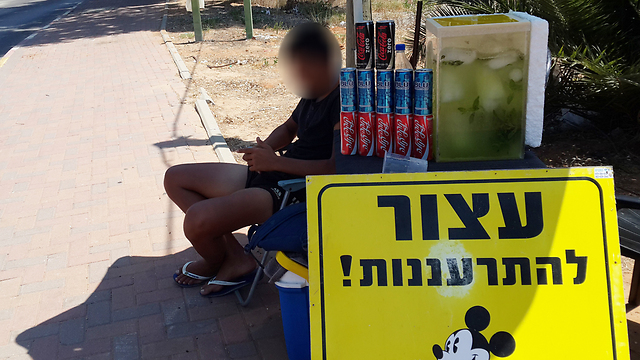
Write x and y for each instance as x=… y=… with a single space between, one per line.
x=310 y=76
x=306 y=70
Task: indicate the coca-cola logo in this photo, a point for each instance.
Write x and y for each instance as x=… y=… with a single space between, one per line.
x=365 y=132
x=363 y=46
x=402 y=135
x=420 y=132
x=348 y=130
x=383 y=53
x=384 y=135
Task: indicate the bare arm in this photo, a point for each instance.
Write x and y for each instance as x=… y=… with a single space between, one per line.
x=283 y=135
x=262 y=158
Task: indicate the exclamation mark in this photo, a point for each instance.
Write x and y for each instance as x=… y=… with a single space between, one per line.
x=346 y=268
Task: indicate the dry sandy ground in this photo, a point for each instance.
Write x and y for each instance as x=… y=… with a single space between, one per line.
x=242 y=76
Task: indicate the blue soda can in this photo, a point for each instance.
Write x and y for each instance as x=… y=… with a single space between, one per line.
x=348 y=98
x=403 y=91
x=366 y=90
x=384 y=82
x=423 y=94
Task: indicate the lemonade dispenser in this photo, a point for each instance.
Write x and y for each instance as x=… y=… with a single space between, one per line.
x=482 y=76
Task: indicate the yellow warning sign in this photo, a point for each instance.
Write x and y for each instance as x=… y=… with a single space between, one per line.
x=519 y=264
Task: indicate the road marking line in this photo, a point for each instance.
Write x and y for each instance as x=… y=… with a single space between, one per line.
x=4 y=59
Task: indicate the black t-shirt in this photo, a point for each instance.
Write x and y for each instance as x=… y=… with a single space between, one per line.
x=315 y=120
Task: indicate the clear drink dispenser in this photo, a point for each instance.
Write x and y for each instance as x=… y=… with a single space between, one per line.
x=481 y=67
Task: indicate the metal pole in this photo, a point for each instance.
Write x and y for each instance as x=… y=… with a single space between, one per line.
x=351 y=36
x=248 y=19
x=197 y=22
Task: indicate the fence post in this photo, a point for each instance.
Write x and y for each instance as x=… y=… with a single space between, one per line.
x=197 y=22
x=351 y=36
x=248 y=19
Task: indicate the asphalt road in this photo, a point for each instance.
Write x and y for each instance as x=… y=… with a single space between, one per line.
x=20 y=18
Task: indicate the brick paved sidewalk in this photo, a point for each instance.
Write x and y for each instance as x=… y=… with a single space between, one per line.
x=90 y=117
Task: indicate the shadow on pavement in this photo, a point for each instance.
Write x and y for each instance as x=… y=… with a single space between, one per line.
x=97 y=18
x=137 y=311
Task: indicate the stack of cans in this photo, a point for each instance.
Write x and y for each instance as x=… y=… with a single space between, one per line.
x=395 y=118
x=348 y=115
x=384 y=112
x=366 y=115
x=404 y=108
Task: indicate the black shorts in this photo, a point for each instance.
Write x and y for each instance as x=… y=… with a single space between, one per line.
x=269 y=181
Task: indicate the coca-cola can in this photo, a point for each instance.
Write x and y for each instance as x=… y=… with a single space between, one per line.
x=384 y=134
x=365 y=32
x=421 y=136
x=403 y=134
x=385 y=44
x=366 y=133
x=348 y=132
x=432 y=147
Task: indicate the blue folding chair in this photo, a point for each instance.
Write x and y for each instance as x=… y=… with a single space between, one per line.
x=273 y=235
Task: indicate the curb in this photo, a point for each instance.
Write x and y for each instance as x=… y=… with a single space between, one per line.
x=6 y=56
x=214 y=134
x=182 y=68
x=213 y=131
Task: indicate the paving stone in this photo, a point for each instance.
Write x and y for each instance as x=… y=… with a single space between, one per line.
x=212 y=345
x=125 y=347
x=271 y=349
x=175 y=311
x=98 y=313
x=168 y=348
x=234 y=329
x=42 y=286
x=242 y=350
x=192 y=328
x=72 y=331
x=136 y=312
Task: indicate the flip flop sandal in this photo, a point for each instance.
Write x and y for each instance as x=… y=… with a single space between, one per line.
x=191 y=275
x=231 y=286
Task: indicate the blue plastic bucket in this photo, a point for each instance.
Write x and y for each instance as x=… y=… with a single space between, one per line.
x=294 y=305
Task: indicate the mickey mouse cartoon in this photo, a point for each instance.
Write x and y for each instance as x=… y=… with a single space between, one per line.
x=469 y=344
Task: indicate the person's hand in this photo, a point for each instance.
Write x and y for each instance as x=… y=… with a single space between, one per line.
x=261 y=157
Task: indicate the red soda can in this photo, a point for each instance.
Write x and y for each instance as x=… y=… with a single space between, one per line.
x=384 y=134
x=421 y=142
x=403 y=134
x=366 y=133
x=348 y=132
x=385 y=44
x=365 y=47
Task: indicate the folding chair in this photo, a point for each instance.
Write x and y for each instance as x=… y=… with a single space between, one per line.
x=629 y=229
x=290 y=186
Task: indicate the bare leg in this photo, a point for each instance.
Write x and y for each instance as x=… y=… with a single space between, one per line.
x=188 y=184
x=208 y=225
